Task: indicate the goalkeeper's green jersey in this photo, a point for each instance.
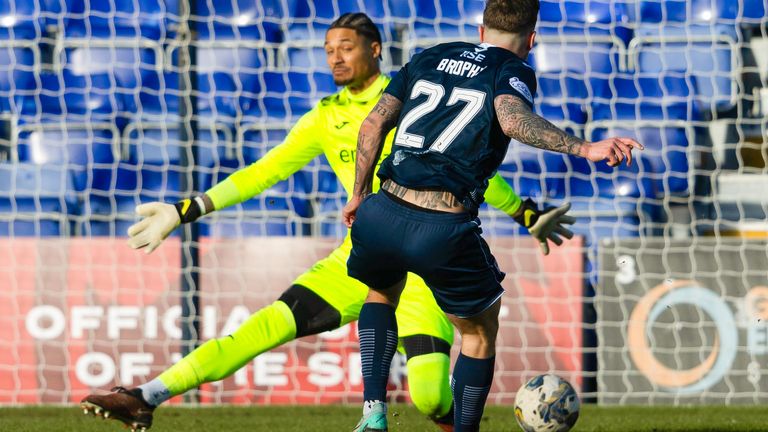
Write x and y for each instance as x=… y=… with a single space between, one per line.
x=330 y=128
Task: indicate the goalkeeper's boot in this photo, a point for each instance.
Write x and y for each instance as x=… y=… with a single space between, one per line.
x=122 y=404
x=375 y=421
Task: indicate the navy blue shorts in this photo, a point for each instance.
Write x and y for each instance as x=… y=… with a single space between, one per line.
x=445 y=249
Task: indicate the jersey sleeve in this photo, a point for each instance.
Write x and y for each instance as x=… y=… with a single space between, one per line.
x=300 y=146
x=501 y=195
x=398 y=87
x=518 y=79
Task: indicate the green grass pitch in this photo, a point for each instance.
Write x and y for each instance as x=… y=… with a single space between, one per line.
x=402 y=419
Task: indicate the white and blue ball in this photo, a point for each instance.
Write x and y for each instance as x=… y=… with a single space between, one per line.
x=547 y=403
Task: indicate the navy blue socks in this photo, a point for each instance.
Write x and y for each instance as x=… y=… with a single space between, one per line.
x=472 y=379
x=377 y=331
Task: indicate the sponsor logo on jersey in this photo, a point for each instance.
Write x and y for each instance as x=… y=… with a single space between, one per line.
x=341 y=125
x=520 y=86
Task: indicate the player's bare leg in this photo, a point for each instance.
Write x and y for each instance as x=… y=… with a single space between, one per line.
x=127 y=406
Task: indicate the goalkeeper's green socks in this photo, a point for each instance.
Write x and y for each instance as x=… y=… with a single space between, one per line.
x=217 y=359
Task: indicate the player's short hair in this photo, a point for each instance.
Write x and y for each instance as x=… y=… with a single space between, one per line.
x=360 y=23
x=511 y=16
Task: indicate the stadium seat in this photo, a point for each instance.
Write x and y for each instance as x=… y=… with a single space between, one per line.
x=588 y=20
x=570 y=117
x=115 y=191
x=17 y=75
x=36 y=200
x=21 y=20
x=258 y=139
x=430 y=22
x=702 y=11
x=569 y=75
x=69 y=97
x=705 y=53
x=445 y=19
x=534 y=173
x=126 y=64
x=148 y=19
x=158 y=144
x=657 y=111
x=308 y=78
x=311 y=19
x=72 y=145
x=577 y=12
x=229 y=84
x=245 y=225
x=239 y=20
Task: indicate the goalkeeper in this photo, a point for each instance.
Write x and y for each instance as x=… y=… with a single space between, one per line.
x=323 y=298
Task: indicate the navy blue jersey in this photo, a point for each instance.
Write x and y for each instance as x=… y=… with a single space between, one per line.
x=448 y=135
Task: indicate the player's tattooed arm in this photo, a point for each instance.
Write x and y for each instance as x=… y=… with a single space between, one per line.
x=370 y=141
x=519 y=122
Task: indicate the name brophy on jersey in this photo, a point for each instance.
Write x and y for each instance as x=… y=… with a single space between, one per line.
x=448 y=135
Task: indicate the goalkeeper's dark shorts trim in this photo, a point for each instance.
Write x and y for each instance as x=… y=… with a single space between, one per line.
x=311 y=313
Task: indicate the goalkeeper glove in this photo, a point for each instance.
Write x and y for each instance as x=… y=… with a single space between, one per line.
x=159 y=219
x=545 y=225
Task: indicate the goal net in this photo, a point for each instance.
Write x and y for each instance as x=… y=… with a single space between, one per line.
x=105 y=105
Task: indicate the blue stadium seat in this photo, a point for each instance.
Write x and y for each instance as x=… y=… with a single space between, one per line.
x=39 y=199
x=650 y=108
x=623 y=189
x=17 y=75
x=447 y=19
x=70 y=97
x=127 y=68
x=534 y=173
x=239 y=20
x=229 y=84
x=158 y=144
x=71 y=145
x=311 y=19
x=114 y=192
x=118 y=18
x=126 y=64
x=21 y=19
x=706 y=53
x=577 y=12
x=257 y=141
x=568 y=74
x=309 y=79
x=570 y=117
x=702 y=11
x=579 y=19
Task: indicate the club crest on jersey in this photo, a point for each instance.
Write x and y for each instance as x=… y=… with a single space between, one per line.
x=521 y=87
x=399 y=157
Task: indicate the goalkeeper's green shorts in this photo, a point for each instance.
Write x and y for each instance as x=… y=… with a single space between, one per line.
x=417 y=313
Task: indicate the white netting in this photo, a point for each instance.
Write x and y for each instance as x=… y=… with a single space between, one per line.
x=92 y=103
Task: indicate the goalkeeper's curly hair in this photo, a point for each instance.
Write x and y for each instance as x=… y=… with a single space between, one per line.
x=511 y=16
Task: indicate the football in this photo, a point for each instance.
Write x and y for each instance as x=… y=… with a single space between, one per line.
x=547 y=403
